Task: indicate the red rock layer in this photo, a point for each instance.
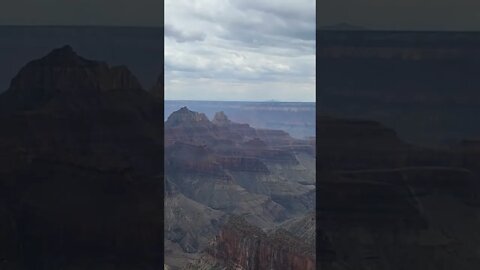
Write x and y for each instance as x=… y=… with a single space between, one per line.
x=244 y=246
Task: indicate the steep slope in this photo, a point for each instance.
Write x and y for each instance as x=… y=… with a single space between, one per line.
x=190 y=225
x=240 y=245
x=228 y=167
x=357 y=144
x=302 y=227
x=157 y=89
x=384 y=204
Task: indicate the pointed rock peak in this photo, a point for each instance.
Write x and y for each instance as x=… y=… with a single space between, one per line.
x=65 y=56
x=63 y=71
x=221 y=118
x=186 y=116
x=183 y=111
x=65 y=50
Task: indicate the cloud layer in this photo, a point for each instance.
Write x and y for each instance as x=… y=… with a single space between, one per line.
x=240 y=50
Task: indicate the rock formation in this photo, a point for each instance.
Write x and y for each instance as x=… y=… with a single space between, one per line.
x=358 y=144
x=380 y=197
x=240 y=245
x=221 y=119
x=60 y=73
x=81 y=167
x=228 y=167
x=187 y=118
x=157 y=89
x=82 y=172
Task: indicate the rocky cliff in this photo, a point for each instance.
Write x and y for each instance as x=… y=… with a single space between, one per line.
x=157 y=89
x=221 y=119
x=231 y=168
x=60 y=73
x=81 y=171
x=385 y=204
x=358 y=144
x=240 y=245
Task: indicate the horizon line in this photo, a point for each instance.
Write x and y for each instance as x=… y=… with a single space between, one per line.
x=258 y=101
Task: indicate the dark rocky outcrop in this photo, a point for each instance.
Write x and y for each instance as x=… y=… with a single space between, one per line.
x=63 y=73
x=81 y=171
x=385 y=204
x=357 y=144
x=157 y=89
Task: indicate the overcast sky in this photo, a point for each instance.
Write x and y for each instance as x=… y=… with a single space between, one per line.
x=402 y=14
x=82 y=12
x=251 y=50
x=244 y=49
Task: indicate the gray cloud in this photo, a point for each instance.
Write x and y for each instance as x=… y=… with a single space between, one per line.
x=179 y=36
x=240 y=49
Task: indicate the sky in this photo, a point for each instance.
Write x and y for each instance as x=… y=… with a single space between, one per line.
x=441 y=15
x=243 y=50
x=82 y=12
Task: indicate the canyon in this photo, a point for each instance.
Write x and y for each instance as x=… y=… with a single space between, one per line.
x=94 y=174
x=251 y=180
x=85 y=183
